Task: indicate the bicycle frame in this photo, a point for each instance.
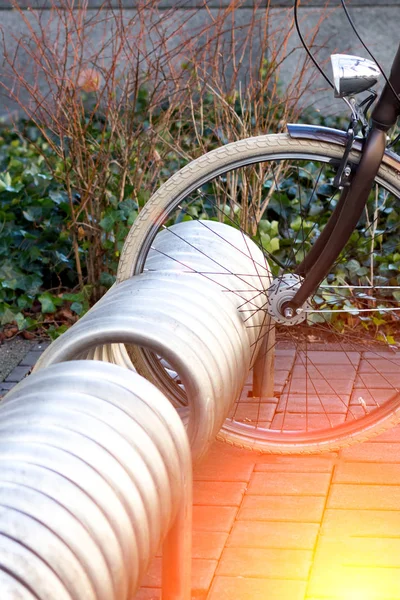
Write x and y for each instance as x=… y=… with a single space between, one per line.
x=353 y=198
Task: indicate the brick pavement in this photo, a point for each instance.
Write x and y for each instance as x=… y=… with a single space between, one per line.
x=24 y=367
x=299 y=528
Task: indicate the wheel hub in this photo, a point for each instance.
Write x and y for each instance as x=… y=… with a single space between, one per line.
x=281 y=291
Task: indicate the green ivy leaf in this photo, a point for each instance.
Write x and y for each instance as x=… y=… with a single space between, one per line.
x=107 y=279
x=77 y=307
x=47 y=302
x=21 y=321
x=107 y=223
x=8 y=316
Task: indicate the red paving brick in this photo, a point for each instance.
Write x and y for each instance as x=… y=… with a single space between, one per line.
x=303 y=509
x=373 y=452
x=361 y=523
x=208 y=544
x=265 y=562
x=322 y=463
x=297 y=402
x=373 y=497
x=328 y=358
x=211 y=518
x=318 y=527
x=371 y=397
x=233 y=588
x=331 y=386
x=273 y=534
x=217 y=493
x=333 y=582
x=355 y=472
x=265 y=484
x=202 y=574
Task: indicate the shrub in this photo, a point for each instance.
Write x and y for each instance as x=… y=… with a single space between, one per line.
x=105 y=125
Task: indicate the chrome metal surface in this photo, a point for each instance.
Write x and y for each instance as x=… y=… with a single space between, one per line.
x=318 y=132
x=194 y=312
x=282 y=290
x=95 y=470
x=353 y=74
x=335 y=136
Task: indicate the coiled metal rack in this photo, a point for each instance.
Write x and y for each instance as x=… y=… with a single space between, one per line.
x=95 y=464
x=95 y=469
x=191 y=309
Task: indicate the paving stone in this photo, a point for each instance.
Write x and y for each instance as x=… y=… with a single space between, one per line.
x=259 y=399
x=225 y=453
x=304 y=509
x=213 y=518
x=390 y=435
x=288 y=352
x=344 y=372
x=315 y=484
x=202 y=574
x=332 y=358
x=372 y=452
x=224 y=463
x=17 y=374
x=296 y=464
x=261 y=562
x=280 y=377
x=357 y=552
x=374 y=381
x=263 y=534
x=30 y=359
x=380 y=365
x=370 y=473
x=218 y=493
x=5 y=386
x=302 y=422
x=374 y=397
x=319 y=386
x=361 y=523
x=234 y=588
x=374 y=497
x=253 y=412
x=354 y=583
x=296 y=402
x=387 y=355
x=39 y=346
x=357 y=412
x=393 y=378
x=208 y=544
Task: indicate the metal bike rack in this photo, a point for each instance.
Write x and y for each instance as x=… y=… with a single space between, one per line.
x=200 y=317
x=95 y=472
x=95 y=462
x=228 y=257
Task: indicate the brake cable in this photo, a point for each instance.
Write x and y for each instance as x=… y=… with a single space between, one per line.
x=296 y=4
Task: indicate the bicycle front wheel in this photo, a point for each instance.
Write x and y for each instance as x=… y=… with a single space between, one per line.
x=336 y=376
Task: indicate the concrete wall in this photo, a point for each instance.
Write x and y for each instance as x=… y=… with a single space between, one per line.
x=377 y=21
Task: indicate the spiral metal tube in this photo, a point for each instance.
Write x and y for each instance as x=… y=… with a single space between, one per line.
x=95 y=469
x=192 y=309
x=95 y=464
x=213 y=252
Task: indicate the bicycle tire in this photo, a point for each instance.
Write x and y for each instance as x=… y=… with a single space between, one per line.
x=197 y=173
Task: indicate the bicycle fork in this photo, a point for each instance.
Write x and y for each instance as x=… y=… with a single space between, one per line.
x=344 y=218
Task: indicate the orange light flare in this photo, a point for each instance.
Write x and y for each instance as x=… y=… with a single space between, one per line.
x=354 y=568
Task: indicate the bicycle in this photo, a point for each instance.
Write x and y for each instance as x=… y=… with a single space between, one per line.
x=316 y=300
